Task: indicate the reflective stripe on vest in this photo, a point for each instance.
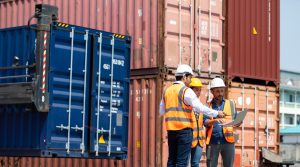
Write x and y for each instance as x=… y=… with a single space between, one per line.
x=178 y=119
x=198 y=131
x=228 y=134
x=178 y=115
x=178 y=109
x=229 y=109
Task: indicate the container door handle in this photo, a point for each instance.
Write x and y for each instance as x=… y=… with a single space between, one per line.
x=98 y=94
x=70 y=90
x=111 y=93
x=82 y=146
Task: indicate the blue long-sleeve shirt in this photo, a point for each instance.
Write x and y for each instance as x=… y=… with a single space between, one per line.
x=217 y=136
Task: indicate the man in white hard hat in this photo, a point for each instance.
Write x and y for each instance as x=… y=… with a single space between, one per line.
x=219 y=139
x=177 y=105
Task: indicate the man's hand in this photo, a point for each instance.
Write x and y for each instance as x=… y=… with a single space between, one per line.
x=214 y=121
x=221 y=114
x=221 y=121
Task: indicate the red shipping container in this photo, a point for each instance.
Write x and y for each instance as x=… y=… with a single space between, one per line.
x=164 y=33
x=252 y=39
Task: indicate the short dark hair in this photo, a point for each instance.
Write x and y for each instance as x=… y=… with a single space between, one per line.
x=178 y=78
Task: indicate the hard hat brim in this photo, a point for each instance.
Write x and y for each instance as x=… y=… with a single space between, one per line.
x=218 y=87
x=182 y=74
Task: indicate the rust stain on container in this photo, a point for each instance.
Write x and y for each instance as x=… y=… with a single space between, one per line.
x=254 y=56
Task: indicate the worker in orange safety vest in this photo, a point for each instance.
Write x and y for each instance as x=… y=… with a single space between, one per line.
x=220 y=139
x=198 y=131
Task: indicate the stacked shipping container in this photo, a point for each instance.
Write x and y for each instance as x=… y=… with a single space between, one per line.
x=165 y=34
x=167 y=40
x=252 y=40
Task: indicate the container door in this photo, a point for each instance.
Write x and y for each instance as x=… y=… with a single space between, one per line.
x=68 y=88
x=110 y=96
x=209 y=37
x=179 y=32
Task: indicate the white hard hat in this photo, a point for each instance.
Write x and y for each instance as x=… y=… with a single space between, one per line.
x=217 y=83
x=183 y=69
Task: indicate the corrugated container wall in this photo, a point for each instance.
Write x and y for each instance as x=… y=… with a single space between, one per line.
x=148 y=138
x=186 y=31
x=145 y=127
x=193 y=34
x=252 y=39
x=260 y=128
x=137 y=18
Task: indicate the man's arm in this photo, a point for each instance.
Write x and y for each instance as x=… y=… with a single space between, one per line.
x=191 y=99
x=199 y=107
x=208 y=122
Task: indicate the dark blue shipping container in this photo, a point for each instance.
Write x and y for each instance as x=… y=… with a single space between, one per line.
x=87 y=86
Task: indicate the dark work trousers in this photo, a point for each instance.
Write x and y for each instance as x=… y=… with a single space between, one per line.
x=179 y=142
x=227 y=153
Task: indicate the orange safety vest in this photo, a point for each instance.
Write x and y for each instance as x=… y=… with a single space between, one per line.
x=198 y=131
x=178 y=115
x=229 y=109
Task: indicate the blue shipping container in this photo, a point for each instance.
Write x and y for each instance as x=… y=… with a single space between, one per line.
x=88 y=74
